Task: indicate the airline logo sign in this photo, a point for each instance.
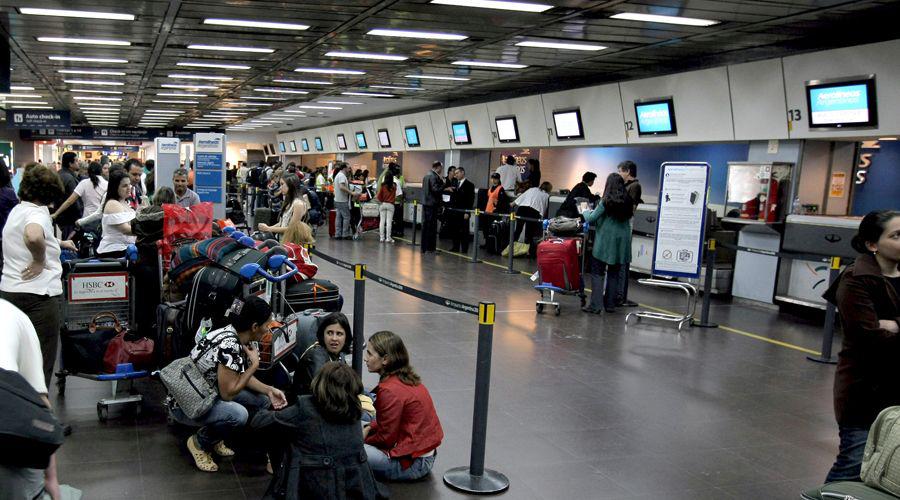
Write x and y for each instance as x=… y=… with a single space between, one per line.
x=98 y=287
x=167 y=146
x=210 y=143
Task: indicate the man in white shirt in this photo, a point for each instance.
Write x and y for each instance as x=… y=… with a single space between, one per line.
x=342 y=198
x=509 y=172
x=532 y=204
x=184 y=196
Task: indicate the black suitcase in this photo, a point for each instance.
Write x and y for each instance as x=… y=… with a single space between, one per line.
x=498 y=237
x=313 y=294
x=234 y=211
x=262 y=216
x=172 y=341
x=212 y=293
x=397 y=227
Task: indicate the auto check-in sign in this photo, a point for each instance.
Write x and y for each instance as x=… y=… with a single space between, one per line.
x=99 y=286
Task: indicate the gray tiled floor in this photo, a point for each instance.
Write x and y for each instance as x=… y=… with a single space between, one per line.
x=581 y=406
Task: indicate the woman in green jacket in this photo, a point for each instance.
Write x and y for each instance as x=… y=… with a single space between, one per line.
x=612 y=243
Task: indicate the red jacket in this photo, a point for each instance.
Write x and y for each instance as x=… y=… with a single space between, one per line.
x=406 y=424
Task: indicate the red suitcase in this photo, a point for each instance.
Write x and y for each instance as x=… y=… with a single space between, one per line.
x=331 y=215
x=559 y=262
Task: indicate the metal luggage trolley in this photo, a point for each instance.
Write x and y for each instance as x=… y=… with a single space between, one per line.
x=368 y=218
x=685 y=319
x=92 y=290
x=571 y=288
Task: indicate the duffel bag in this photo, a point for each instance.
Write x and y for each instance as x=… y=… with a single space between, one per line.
x=83 y=350
x=564 y=226
x=29 y=433
x=881 y=460
x=170 y=342
x=313 y=294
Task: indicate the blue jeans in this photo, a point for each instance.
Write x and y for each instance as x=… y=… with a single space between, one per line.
x=342 y=219
x=848 y=463
x=386 y=468
x=225 y=417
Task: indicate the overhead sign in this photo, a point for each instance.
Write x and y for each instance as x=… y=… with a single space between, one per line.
x=681 y=219
x=98 y=287
x=30 y=118
x=209 y=170
x=87 y=133
x=94 y=147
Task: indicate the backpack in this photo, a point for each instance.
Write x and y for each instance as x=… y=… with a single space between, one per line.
x=26 y=424
x=254 y=175
x=881 y=462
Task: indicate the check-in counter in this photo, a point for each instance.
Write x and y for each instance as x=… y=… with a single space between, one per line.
x=755 y=272
x=802 y=281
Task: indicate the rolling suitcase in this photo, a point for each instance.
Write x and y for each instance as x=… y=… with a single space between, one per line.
x=846 y=490
x=331 y=216
x=559 y=263
x=212 y=293
x=171 y=342
x=313 y=294
x=497 y=237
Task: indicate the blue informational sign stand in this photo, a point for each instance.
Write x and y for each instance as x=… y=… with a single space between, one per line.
x=209 y=170
x=168 y=159
x=681 y=219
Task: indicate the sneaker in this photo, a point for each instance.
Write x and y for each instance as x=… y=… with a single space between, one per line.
x=222 y=450
x=202 y=459
x=389 y=240
x=629 y=303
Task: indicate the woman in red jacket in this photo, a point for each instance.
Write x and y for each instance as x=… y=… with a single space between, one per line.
x=401 y=443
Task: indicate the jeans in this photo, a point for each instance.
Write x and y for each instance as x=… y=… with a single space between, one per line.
x=429 y=229
x=386 y=468
x=342 y=219
x=848 y=463
x=622 y=294
x=604 y=296
x=385 y=220
x=225 y=417
x=43 y=311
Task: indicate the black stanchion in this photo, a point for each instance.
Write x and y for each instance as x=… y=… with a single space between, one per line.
x=830 y=312
x=475 y=478
x=707 y=286
x=512 y=243
x=475 y=237
x=415 y=220
x=359 y=315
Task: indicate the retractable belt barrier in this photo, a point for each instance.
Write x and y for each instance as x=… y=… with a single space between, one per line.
x=474 y=478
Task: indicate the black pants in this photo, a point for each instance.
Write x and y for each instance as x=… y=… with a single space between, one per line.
x=429 y=229
x=43 y=311
x=532 y=229
x=459 y=232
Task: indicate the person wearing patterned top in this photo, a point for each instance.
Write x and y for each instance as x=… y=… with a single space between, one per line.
x=228 y=359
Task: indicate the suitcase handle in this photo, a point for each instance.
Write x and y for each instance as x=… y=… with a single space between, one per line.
x=250 y=270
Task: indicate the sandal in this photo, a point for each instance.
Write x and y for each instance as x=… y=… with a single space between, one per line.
x=222 y=450
x=202 y=459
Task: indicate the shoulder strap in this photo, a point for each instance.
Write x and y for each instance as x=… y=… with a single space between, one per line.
x=314 y=344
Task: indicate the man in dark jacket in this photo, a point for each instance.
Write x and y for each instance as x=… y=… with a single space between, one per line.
x=628 y=171
x=569 y=207
x=462 y=198
x=68 y=174
x=432 y=190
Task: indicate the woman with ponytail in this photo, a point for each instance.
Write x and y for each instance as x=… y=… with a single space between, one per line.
x=867 y=294
x=401 y=443
x=91 y=191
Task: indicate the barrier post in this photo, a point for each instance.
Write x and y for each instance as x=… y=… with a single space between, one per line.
x=512 y=245
x=707 y=286
x=830 y=312
x=475 y=478
x=359 y=313
x=415 y=220
x=475 y=236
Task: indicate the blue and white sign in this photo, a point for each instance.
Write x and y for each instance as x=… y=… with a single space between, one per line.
x=843 y=104
x=654 y=118
x=681 y=219
x=209 y=170
x=31 y=118
x=168 y=159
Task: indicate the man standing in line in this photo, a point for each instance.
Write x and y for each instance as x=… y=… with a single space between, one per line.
x=628 y=171
x=184 y=196
x=462 y=199
x=509 y=172
x=135 y=172
x=433 y=189
x=342 y=199
x=68 y=174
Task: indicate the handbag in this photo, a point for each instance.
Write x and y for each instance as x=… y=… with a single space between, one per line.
x=187 y=385
x=29 y=433
x=83 y=351
x=125 y=348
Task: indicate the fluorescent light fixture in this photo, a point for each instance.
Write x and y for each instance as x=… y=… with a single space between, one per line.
x=305 y=82
x=656 y=18
x=167 y=101
x=14 y=87
x=83 y=109
x=88 y=59
x=416 y=34
x=365 y=55
x=339 y=102
x=201 y=77
x=82 y=41
x=30 y=107
x=561 y=45
x=229 y=113
x=252 y=103
x=90 y=72
x=99 y=113
x=887 y=138
x=211 y=65
x=295 y=112
x=263 y=98
x=95 y=98
x=394 y=87
x=330 y=71
x=179 y=94
x=164 y=111
x=242 y=23
x=26 y=96
x=486 y=64
x=198 y=126
x=438 y=77
x=93 y=82
x=308 y=106
x=496 y=4
x=28 y=102
x=180 y=86
x=76 y=13
x=230 y=48
x=367 y=94
x=91 y=91
x=281 y=91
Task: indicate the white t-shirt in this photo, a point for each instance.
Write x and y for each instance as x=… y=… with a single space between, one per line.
x=20 y=349
x=534 y=198
x=113 y=239
x=91 y=196
x=340 y=195
x=508 y=175
x=16 y=256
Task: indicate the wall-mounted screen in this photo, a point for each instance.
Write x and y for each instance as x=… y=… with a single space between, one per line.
x=567 y=124
x=655 y=116
x=461 y=133
x=507 y=129
x=384 y=139
x=412 y=136
x=341 y=142
x=272 y=149
x=847 y=102
x=304 y=145
x=361 y=140
x=319 y=147
x=266 y=149
x=281 y=147
x=293 y=145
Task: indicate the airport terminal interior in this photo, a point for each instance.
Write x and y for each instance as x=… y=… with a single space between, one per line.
x=619 y=294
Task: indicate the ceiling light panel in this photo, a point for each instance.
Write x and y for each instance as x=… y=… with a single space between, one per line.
x=95 y=98
x=308 y=106
x=169 y=101
x=281 y=91
x=365 y=55
x=349 y=103
x=591 y=47
x=252 y=103
x=244 y=23
x=94 y=82
x=14 y=87
x=656 y=18
x=179 y=94
x=367 y=94
x=95 y=91
x=264 y=98
x=25 y=96
x=185 y=86
x=416 y=34
x=82 y=41
x=76 y=13
x=497 y=5
x=90 y=72
x=30 y=107
x=487 y=64
x=230 y=48
x=189 y=64
x=305 y=82
x=394 y=87
x=330 y=71
x=439 y=77
x=88 y=59
x=28 y=102
x=200 y=77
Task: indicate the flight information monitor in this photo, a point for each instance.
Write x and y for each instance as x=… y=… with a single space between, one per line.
x=655 y=116
x=567 y=124
x=319 y=146
x=507 y=129
x=384 y=139
x=293 y=145
x=461 y=133
x=412 y=136
x=281 y=147
x=361 y=140
x=341 y=142
x=304 y=145
x=848 y=102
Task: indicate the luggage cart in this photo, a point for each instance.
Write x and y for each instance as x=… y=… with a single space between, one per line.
x=685 y=319
x=97 y=289
x=368 y=220
x=569 y=288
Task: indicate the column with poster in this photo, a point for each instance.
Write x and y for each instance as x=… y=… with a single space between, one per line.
x=681 y=219
x=209 y=170
x=168 y=160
